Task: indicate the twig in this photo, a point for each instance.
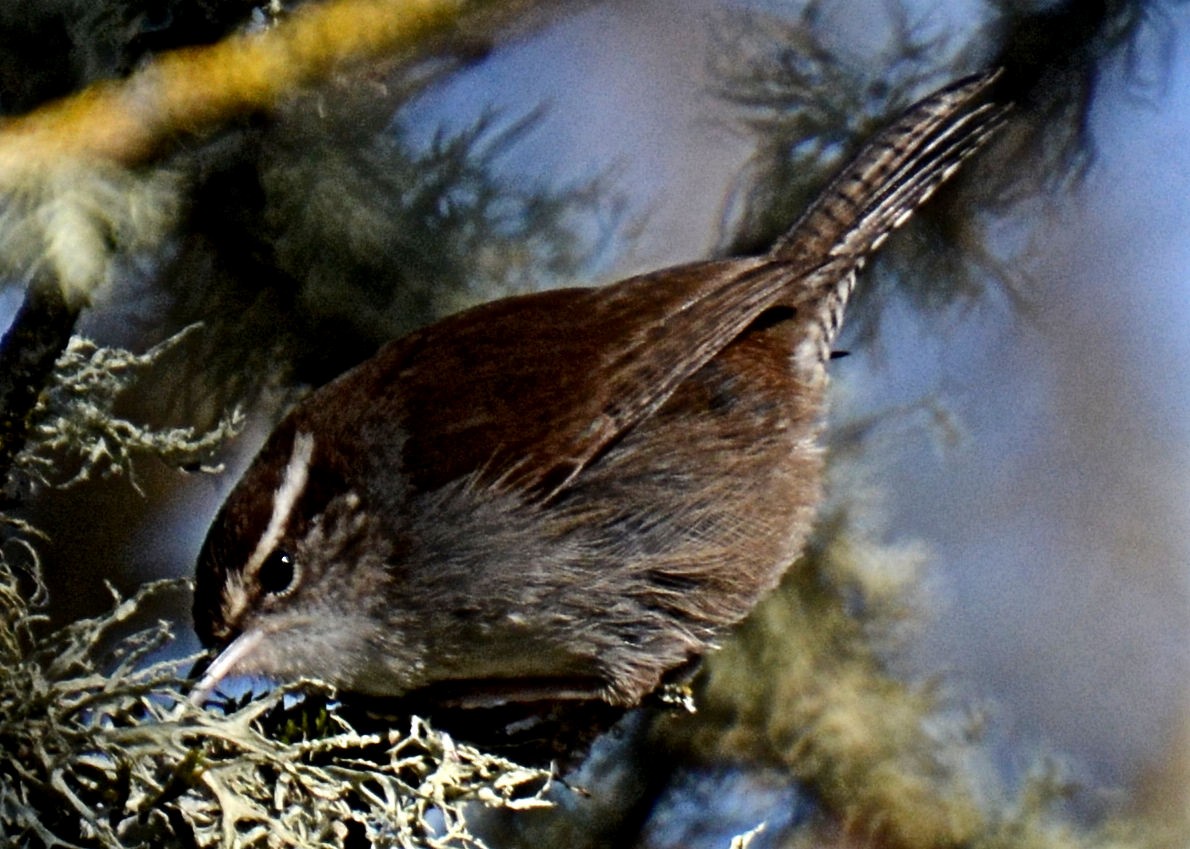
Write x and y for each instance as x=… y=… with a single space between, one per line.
x=34 y=341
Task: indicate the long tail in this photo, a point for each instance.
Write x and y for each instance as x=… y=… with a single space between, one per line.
x=889 y=178
x=646 y=335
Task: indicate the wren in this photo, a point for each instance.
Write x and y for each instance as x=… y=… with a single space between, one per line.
x=563 y=495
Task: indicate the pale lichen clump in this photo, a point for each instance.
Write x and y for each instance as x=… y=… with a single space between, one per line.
x=75 y=432
x=100 y=745
x=98 y=749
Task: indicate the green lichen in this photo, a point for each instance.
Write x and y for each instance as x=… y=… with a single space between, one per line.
x=100 y=748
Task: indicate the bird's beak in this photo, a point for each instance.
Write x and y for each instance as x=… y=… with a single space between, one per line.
x=230 y=661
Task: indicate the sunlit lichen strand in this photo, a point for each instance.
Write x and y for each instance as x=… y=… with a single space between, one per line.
x=99 y=749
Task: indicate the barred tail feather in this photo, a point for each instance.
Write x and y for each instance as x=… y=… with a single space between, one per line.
x=894 y=174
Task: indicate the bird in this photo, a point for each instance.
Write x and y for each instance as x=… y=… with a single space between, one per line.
x=564 y=495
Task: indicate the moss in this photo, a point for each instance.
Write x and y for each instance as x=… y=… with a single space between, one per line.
x=99 y=749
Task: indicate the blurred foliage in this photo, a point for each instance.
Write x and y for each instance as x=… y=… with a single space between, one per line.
x=809 y=102
x=314 y=239
x=810 y=683
x=310 y=223
x=66 y=223
x=809 y=99
x=51 y=48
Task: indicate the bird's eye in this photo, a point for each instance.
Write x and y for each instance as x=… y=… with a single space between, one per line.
x=278 y=573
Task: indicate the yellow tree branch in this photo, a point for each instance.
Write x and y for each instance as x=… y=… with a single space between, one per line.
x=73 y=193
x=71 y=201
x=200 y=88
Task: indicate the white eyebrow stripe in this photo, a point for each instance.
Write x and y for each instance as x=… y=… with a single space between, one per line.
x=293 y=483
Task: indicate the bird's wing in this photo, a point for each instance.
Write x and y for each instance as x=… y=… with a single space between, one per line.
x=525 y=392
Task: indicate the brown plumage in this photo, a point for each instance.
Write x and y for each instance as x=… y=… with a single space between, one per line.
x=568 y=494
